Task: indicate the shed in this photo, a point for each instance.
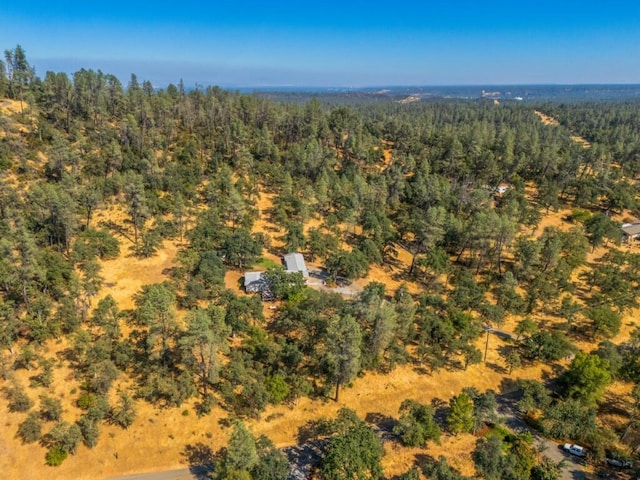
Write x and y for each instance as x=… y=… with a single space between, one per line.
x=294 y=262
x=502 y=189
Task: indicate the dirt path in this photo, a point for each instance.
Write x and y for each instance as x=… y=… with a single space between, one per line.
x=301 y=457
x=194 y=473
x=548 y=120
x=508 y=410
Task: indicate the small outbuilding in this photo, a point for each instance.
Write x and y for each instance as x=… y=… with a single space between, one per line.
x=294 y=262
x=502 y=189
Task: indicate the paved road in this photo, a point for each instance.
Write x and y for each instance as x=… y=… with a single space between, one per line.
x=194 y=473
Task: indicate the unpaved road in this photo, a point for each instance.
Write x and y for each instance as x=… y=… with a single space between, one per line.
x=193 y=473
x=508 y=410
x=302 y=457
x=572 y=469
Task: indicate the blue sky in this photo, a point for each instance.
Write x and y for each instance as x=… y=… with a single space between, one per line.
x=332 y=43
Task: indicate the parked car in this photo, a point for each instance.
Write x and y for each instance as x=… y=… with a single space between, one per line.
x=573 y=449
x=619 y=462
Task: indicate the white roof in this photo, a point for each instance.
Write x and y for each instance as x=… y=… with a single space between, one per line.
x=250 y=277
x=294 y=262
x=631 y=228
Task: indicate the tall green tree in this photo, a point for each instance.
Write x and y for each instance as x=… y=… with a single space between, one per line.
x=137 y=205
x=203 y=343
x=19 y=73
x=461 y=416
x=605 y=322
x=344 y=340
x=490 y=460
x=294 y=239
x=354 y=453
x=241 y=248
x=587 y=378
x=416 y=425
x=156 y=310
x=242 y=453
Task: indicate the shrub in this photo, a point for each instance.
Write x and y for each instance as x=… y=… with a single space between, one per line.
x=56 y=455
x=50 y=408
x=90 y=431
x=580 y=216
x=416 y=425
x=95 y=243
x=30 y=430
x=86 y=401
x=277 y=389
x=19 y=401
x=124 y=412
x=204 y=407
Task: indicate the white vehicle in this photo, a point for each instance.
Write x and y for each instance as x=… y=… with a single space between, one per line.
x=576 y=450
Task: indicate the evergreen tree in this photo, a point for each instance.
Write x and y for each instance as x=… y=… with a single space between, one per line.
x=416 y=425
x=343 y=344
x=461 y=417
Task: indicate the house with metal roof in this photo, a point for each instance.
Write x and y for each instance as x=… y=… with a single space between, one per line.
x=253 y=282
x=631 y=231
x=294 y=262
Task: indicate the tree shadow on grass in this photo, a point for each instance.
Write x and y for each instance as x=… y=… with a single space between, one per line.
x=380 y=420
x=313 y=430
x=383 y=423
x=422 y=459
x=440 y=411
x=496 y=368
x=201 y=459
x=509 y=387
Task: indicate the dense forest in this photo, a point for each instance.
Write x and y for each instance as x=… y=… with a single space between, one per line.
x=461 y=187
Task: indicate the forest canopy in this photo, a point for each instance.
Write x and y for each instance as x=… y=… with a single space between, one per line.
x=461 y=188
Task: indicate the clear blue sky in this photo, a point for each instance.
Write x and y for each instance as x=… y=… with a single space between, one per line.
x=332 y=43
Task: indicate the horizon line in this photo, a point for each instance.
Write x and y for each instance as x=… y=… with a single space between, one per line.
x=426 y=85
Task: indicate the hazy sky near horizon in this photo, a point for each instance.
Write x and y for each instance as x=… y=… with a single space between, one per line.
x=332 y=43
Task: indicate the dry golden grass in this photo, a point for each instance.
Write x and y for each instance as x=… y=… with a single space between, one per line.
x=263 y=225
x=157 y=439
x=125 y=275
x=393 y=275
x=10 y=107
x=382 y=394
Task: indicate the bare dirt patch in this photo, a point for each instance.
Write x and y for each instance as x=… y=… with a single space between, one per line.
x=548 y=120
x=582 y=141
x=409 y=99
